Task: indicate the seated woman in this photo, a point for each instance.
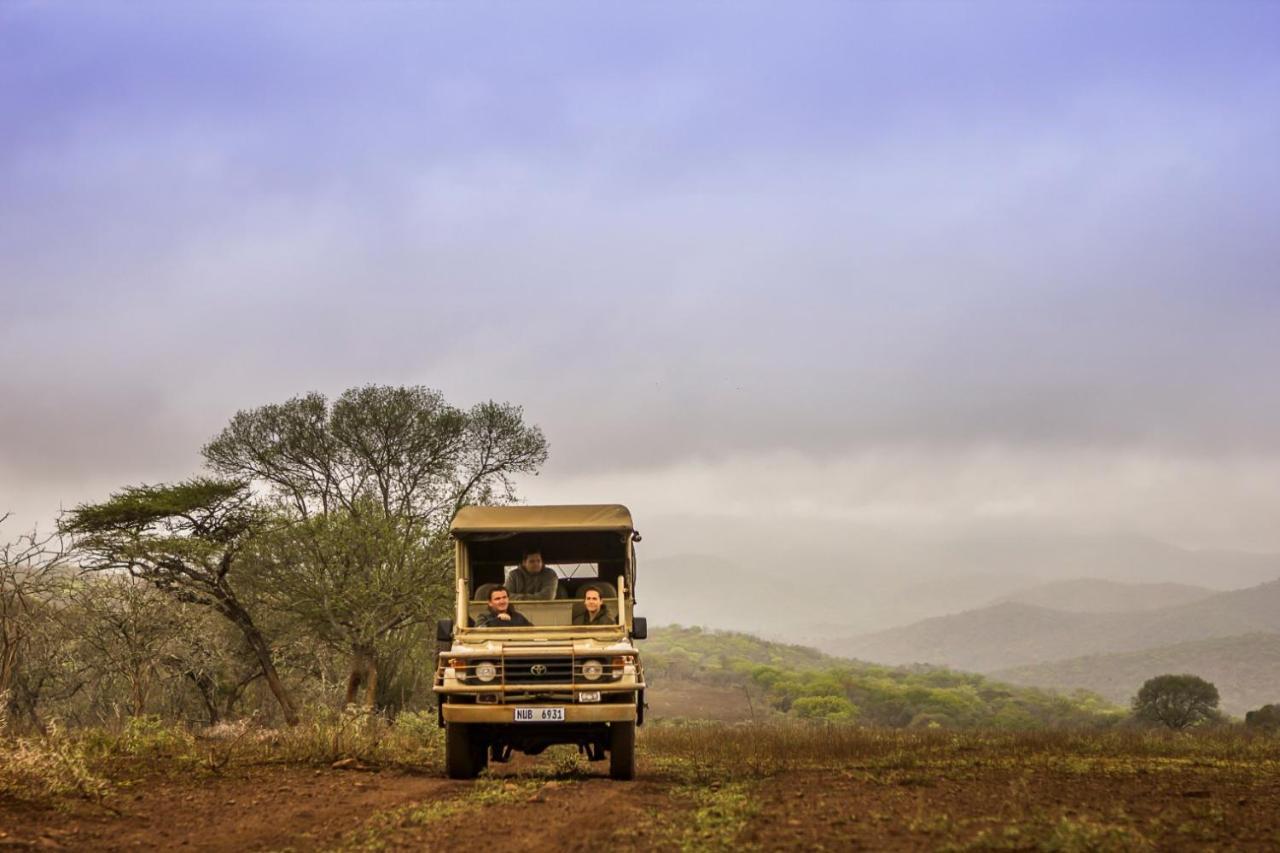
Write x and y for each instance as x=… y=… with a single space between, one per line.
x=594 y=611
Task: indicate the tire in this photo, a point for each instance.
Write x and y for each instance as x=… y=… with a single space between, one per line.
x=460 y=754
x=622 y=751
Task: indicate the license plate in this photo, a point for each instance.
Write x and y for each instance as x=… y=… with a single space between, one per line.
x=539 y=715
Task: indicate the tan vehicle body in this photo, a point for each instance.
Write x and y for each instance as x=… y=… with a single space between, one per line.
x=526 y=688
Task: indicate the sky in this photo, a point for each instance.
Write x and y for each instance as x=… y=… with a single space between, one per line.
x=884 y=271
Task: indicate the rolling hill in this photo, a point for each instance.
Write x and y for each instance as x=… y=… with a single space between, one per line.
x=694 y=673
x=1245 y=669
x=1010 y=634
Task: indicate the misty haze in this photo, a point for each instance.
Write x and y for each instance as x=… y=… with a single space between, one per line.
x=930 y=347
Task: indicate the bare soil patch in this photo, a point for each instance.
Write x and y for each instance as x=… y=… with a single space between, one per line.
x=898 y=793
x=1020 y=809
x=256 y=808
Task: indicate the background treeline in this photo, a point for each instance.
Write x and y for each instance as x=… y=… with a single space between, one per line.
x=304 y=565
x=794 y=681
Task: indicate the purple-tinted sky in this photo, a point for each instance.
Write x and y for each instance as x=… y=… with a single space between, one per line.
x=908 y=264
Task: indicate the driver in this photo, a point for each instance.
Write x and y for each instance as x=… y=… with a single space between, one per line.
x=500 y=613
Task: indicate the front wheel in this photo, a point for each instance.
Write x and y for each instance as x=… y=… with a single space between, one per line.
x=465 y=752
x=622 y=750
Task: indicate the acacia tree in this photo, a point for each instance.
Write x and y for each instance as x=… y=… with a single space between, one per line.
x=1177 y=701
x=367 y=487
x=185 y=539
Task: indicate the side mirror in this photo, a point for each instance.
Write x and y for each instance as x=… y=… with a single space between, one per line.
x=639 y=628
x=444 y=631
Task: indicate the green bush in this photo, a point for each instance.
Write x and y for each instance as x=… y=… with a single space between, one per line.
x=832 y=708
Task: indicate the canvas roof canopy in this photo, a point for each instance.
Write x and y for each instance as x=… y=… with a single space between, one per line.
x=536 y=519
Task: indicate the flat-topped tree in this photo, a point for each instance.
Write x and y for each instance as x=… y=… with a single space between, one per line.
x=187 y=539
x=367 y=486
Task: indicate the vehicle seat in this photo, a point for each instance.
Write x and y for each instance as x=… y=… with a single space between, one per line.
x=482 y=592
x=607 y=590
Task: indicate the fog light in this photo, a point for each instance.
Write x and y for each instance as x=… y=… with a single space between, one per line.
x=589 y=696
x=487 y=699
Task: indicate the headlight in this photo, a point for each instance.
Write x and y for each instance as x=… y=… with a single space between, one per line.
x=592 y=670
x=486 y=671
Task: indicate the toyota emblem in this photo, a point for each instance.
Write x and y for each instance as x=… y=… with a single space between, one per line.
x=538 y=669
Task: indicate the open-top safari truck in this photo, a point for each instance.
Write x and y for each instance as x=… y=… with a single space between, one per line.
x=525 y=688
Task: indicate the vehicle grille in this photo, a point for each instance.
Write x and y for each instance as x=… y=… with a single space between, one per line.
x=554 y=670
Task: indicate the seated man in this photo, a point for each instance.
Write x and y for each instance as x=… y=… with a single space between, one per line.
x=500 y=613
x=532 y=579
x=594 y=611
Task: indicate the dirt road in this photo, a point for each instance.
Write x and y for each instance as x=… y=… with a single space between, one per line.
x=552 y=804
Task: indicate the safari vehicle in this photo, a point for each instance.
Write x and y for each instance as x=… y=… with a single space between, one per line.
x=526 y=688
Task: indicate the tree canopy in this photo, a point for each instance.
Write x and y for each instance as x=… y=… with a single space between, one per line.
x=401 y=449
x=1176 y=701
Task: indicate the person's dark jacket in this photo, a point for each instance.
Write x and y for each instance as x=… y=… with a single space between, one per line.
x=489 y=619
x=603 y=616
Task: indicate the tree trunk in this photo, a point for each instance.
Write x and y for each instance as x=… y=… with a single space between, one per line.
x=371 y=683
x=8 y=665
x=236 y=691
x=139 y=693
x=205 y=687
x=262 y=650
x=364 y=670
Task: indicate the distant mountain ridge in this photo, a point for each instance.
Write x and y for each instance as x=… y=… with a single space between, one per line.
x=1010 y=634
x=1096 y=595
x=820 y=585
x=1245 y=669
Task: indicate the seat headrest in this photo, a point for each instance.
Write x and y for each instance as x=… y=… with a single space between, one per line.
x=482 y=592
x=607 y=590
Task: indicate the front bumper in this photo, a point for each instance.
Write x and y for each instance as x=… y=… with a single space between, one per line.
x=611 y=713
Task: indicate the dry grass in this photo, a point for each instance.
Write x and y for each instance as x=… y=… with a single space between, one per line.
x=731 y=786
x=63 y=763
x=46 y=766
x=763 y=750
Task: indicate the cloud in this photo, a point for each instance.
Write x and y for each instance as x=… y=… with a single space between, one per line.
x=900 y=493
x=915 y=245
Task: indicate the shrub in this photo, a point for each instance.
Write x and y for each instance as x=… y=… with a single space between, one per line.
x=44 y=766
x=833 y=708
x=1266 y=718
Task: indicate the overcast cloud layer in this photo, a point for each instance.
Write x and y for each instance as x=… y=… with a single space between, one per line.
x=894 y=266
